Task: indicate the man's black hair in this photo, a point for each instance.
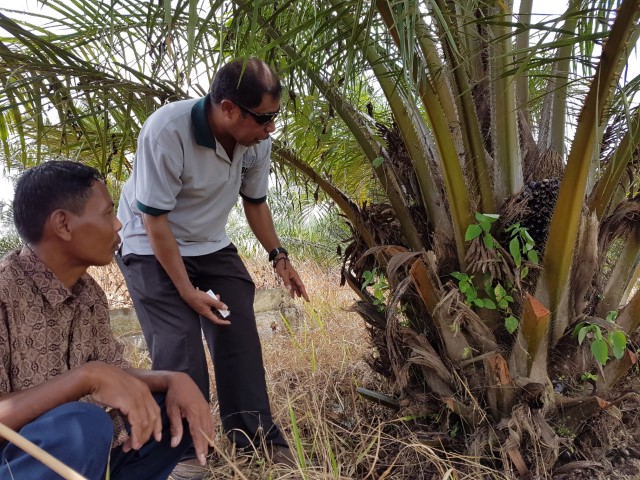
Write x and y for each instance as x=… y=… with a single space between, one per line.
x=245 y=82
x=48 y=187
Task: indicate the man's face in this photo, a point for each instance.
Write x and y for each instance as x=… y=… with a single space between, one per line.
x=95 y=232
x=247 y=131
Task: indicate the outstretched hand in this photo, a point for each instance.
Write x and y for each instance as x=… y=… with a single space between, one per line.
x=185 y=401
x=291 y=279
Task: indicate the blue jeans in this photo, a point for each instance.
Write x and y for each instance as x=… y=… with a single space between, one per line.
x=79 y=434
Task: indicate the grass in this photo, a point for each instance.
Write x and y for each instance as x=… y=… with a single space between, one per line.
x=313 y=371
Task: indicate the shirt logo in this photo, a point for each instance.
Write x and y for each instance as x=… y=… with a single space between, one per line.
x=248 y=161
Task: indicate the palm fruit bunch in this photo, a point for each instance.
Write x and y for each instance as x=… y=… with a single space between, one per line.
x=541 y=197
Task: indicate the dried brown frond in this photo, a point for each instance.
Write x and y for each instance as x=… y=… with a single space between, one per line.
x=495 y=261
x=423 y=376
x=379 y=219
x=399 y=263
x=515 y=208
x=528 y=427
x=548 y=164
x=397 y=351
x=376 y=323
x=396 y=261
x=613 y=232
x=624 y=220
x=480 y=336
x=401 y=163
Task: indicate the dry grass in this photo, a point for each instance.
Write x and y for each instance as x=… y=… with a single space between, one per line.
x=111 y=281
x=313 y=371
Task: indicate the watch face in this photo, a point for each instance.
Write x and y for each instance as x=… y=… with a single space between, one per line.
x=277 y=251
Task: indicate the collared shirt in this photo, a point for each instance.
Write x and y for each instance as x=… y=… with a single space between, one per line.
x=47 y=329
x=180 y=170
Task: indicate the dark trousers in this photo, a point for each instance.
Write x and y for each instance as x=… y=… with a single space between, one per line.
x=79 y=434
x=173 y=332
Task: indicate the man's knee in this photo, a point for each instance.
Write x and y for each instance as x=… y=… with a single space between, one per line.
x=81 y=424
x=78 y=434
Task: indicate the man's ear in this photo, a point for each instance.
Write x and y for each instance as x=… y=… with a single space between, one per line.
x=59 y=224
x=228 y=107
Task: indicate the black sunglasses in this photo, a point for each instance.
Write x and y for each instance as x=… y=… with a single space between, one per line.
x=260 y=118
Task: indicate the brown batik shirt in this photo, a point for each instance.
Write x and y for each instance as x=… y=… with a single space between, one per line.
x=47 y=329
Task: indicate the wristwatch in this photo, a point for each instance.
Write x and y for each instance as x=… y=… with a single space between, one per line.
x=277 y=251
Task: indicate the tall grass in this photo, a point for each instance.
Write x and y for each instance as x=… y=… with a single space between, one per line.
x=313 y=370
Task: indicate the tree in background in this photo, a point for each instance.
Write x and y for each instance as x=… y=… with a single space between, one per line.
x=484 y=159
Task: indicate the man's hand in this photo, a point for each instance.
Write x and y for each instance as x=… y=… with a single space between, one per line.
x=116 y=388
x=261 y=223
x=203 y=305
x=184 y=400
x=291 y=278
x=166 y=250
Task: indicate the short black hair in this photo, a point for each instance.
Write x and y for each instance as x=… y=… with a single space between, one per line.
x=58 y=184
x=245 y=81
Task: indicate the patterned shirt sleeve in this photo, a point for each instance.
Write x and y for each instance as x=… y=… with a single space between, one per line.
x=5 y=383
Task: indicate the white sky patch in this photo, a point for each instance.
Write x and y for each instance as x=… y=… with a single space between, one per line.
x=6 y=189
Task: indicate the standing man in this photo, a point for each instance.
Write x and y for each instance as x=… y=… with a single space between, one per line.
x=56 y=346
x=194 y=158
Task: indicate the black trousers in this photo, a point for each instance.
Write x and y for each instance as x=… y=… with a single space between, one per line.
x=173 y=332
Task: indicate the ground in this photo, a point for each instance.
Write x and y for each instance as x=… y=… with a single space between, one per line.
x=609 y=445
x=313 y=371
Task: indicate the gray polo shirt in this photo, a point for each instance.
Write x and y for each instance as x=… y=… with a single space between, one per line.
x=181 y=170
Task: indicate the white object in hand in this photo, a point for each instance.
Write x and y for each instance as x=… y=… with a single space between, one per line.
x=223 y=313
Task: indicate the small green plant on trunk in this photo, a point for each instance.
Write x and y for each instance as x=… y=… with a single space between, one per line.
x=379 y=286
x=498 y=296
x=600 y=343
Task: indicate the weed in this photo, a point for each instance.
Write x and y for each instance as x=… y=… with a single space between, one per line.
x=379 y=286
x=600 y=343
x=496 y=295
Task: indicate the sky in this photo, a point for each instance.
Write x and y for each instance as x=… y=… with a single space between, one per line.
x=6 y=189
x=549 y=7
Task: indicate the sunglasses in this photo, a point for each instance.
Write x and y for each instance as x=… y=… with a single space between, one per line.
x=260 y=118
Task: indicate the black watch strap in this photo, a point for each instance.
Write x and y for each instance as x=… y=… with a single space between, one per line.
x=277 y=251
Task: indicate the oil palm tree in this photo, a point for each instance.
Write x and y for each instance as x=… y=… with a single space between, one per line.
x=484 y=159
